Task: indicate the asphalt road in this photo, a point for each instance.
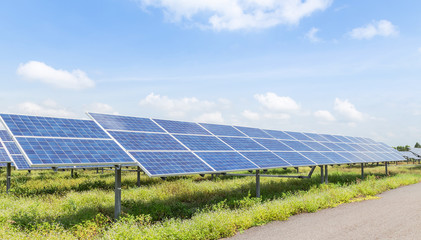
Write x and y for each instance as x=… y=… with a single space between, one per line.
x=396 y=215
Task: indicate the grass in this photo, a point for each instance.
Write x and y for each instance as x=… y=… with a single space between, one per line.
x=52 y=205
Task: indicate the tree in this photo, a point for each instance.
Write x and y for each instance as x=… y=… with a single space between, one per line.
x=403 y=148
x=417 y=145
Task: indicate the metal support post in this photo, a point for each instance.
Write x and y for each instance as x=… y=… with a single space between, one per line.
x=9 y=172
x=362 y=170
x=71 y=172
x=29 y=171
x=212 y=177
x=298 y=170
x=326 y=179
x=117 y=191
x=97 y=170
x=102 y=170
x=257 y=183
x=138 y=177
x=385 y=166
x=321 y=174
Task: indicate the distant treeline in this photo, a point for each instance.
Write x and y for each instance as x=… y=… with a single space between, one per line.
x=407 y=147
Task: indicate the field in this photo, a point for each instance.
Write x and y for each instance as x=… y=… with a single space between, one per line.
x=52 y=205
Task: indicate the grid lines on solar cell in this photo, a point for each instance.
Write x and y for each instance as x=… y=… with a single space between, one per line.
x=202 y=143
x=316 y=137
x=222 y=130
x=296 y=145
x=333 y=146
x=182 y=127
x=3 y=155
x=266 y=159
x=298 y=135
x=253 y=132
x=295 y=159
x=51 y=151
x=116 y=122
x=12 y=147
x=22 y=164
x=167 y=163
x=364 y=157
x=330 y=138
x=336 y=157
x=146 y=141
x=316 y=146
x=342 y=138
x=21 y=125
x=347 y=147
x=273 y=145
x=226 y=161
x=242 y=144
x=351 y=157
x=5 y=136
x=279 y=134
x=318 y=158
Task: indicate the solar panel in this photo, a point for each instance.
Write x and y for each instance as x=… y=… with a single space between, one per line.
x=47 y=141
x=202 y=143
x=126 y=123
x=4 y=157
x=12 y=147
x=187 y=148
x=146 y=141
x=222 y=130
x=5 y=136
x=181 y=127
x=266 y=159
x=253 y=132
x=227 y=161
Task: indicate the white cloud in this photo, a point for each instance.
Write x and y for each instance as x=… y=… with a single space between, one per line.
x=276 y=103
x=100 y=108
x=311 y=35
x=176 y=107
x=237 y=14
x=46 y=108
x=40 y=71
x=213 y=117
x=250 y=115
x=348 y=110
x=382 y=28
x=324 y=116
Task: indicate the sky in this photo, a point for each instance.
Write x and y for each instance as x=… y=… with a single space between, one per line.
x=324 y=66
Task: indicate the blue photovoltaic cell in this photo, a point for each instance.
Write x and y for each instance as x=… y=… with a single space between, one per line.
x=387 y=157
x=316 y=146
x=316 y=137
x=317 y=158
x=222 y=130
x=347 y=147
x=296 y=145
x=333 y=146
x=362 y=140
x=266 y=159
x=336 y=157
x=242 y=144
x=342 y=138
x=12 y=147
x=3 y=156
x=295 y=159
x=370 y=141
x=397 y=156
x=359 y=147
x=369 y=148
x=298 y=136
x=331 y=138
x=353 y=158
x=353 y=139
x=202 y=143
x=22 y=164
x=5 y=136
x=114 y=122
x=50 y=151
x=253 y=132
x=273 y=145
x=279 y=134
x=21 y=125
x=170 y=163
x=363 y=156
x=182 y=127
x=377 y=147
x=375 y=157
x=146 y=141
x=226 y=161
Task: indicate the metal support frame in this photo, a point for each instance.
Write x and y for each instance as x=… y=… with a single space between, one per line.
x=102 y=170
x=326 y=174
x=212 y=177
x=257 y=183
x=321 y=173
x=9 y=173
x=298 y=170
x=117 y=191
x=71 y=172
x=362 y=170
x=385 y=167
x=267 y=175
x=138 y=177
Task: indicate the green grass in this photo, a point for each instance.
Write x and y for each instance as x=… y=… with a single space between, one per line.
x=52 y=205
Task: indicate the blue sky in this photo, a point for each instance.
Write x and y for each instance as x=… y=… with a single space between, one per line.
x=321 y=66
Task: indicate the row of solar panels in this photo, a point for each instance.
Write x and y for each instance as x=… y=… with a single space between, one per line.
x=163 y=147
